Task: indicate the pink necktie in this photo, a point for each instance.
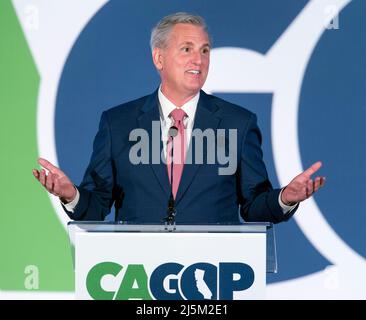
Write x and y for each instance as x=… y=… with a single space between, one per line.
x=179 y=147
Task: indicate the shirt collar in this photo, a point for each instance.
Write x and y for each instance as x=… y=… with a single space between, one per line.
x=167 y=106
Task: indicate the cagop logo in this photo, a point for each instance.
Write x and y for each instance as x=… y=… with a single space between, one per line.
x=171 y=281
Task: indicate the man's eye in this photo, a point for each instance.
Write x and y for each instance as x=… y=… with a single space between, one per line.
x=185 y=49
x=206 y=50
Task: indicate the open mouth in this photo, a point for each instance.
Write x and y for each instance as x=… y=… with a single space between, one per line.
x=194 y=71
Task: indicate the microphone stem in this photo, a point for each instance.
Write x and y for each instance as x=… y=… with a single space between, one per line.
x=171 y=208
x=171 y=165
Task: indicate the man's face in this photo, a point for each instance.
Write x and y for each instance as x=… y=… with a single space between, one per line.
x=184 y=63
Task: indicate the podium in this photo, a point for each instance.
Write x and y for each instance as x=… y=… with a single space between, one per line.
x=121 y=261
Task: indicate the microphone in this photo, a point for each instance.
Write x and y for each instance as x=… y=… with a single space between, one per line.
x=173 y=132
x=170 y=219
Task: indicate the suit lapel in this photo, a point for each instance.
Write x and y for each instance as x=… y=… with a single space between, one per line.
x=204 y=119
x=150 y=113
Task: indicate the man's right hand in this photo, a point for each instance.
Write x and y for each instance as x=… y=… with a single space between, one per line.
x=56 y=182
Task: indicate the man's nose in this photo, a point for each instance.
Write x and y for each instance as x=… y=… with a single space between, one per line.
x=197 y=58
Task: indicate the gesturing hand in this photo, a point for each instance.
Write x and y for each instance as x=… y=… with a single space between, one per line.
x=302 y=186
x=56 y=182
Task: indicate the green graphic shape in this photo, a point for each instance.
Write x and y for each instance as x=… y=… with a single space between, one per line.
x=30 y=232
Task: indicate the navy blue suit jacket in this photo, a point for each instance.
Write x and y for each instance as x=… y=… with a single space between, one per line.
x=142 y=191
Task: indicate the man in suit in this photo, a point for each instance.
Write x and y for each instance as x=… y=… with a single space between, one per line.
x=181 y=54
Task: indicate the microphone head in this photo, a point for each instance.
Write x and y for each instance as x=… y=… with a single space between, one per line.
x=173 y=131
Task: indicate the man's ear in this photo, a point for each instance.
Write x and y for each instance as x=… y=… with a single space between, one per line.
x=157 y=58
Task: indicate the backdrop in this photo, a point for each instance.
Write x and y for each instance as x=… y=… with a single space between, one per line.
x=299 y=65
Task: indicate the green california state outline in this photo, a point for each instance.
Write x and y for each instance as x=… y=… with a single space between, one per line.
x=30 y=231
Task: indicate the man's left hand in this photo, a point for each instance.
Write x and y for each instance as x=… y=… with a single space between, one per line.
x=302 y=186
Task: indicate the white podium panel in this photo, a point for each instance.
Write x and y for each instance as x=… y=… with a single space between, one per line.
x=170 y=265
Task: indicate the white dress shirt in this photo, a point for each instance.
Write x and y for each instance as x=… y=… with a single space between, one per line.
x=166 y=107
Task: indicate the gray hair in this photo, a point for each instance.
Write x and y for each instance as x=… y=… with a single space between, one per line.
x=161 y=32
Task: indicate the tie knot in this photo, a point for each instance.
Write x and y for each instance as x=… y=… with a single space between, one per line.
x=178 y=115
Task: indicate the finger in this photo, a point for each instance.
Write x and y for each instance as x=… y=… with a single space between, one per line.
x=42 y=177
x=49 y=182
x=315 y=167
x=322 y=181
x=317 y=184
x=49 y=166
x=309 y=188
x=56 y=187
x=35 y=173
